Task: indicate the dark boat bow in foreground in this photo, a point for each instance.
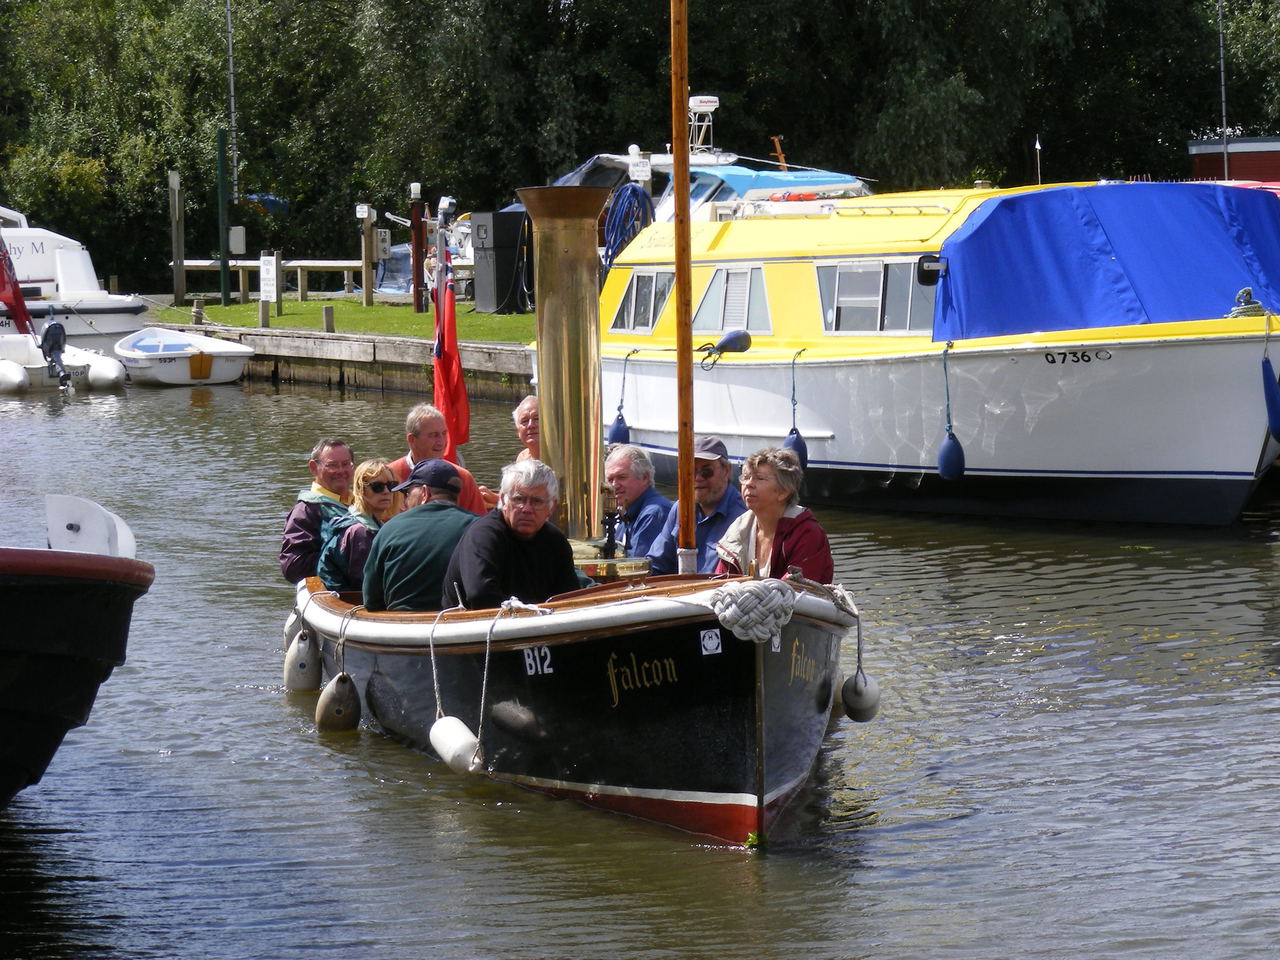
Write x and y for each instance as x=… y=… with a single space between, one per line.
x=636 y=699
x=68 y=615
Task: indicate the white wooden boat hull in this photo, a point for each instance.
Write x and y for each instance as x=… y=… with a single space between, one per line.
x=161 y=357
x=1148 y=430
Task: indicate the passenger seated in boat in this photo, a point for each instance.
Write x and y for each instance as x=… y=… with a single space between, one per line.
x=775 y=533
x=428 y=437
x=411 y=551
x=717 y=503
x=513 y=550
x=526 y=417
x=329 y=496
x=345 y=540
x=642 y=510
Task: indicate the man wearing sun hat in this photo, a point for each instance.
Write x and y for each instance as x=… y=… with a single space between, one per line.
x=411 y=551
x=717 y=503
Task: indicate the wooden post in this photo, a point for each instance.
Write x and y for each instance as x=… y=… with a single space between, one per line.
x=366 y=260
x=197 y=310
x=264 y=313
x=327 y=314
x=178 y=245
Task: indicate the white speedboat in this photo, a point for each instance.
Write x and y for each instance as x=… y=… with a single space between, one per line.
x=57 y=278
x=175 y=358
x=1080 y=346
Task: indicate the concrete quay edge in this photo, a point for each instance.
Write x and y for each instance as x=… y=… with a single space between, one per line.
x=493 y=371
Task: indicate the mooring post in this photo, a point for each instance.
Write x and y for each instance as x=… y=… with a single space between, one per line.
x=327 y=313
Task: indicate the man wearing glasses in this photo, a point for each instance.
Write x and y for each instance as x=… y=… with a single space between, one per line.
x=513 y=550
x=717 y=503
x=332 y=470
x=411 y=551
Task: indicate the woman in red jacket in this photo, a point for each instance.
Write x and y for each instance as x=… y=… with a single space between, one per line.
x=775 y=533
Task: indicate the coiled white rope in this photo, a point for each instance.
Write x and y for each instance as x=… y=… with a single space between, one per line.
x=754 y=610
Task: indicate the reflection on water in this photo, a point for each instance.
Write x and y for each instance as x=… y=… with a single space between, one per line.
x=1075 y=755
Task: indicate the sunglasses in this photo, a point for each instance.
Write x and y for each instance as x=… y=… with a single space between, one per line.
x=705 y=473
x=380 y=486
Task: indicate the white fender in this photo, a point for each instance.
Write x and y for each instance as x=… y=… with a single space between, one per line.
x=338 y=708
x=13 y=377
x=302 y=664
x=457 y=745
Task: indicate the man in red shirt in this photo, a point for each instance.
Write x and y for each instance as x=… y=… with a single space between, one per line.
x=428 y=436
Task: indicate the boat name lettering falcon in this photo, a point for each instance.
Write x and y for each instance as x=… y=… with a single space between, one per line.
x=648 y=673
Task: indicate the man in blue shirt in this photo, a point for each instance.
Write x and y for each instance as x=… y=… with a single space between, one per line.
x=718 y=503
x=642 y=509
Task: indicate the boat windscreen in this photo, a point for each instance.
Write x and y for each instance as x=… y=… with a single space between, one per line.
x=1107 y=255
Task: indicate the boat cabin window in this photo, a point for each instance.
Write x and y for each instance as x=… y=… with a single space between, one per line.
x=642 y=303
x=735 y=300
x=868 y=296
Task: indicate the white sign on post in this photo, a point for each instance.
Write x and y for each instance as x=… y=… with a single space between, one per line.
x=268 y=280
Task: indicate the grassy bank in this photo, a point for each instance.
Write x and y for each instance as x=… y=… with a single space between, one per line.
x=350 y=316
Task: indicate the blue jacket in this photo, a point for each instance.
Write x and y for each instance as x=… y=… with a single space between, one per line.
x=642 y=523
x=708 y=529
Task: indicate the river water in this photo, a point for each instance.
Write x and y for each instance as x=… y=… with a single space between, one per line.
x=1076 y=754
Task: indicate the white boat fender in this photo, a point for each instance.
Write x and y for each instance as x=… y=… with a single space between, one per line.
x=338 y=708
x=13 y=377
x=302 y=664
x=457 y=745
x=861 y=696
x=105 y=373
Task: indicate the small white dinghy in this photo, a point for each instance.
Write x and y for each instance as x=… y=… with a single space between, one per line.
x=154 y=355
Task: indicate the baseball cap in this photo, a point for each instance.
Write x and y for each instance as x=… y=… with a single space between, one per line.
x=710 y=448
x=440 y=474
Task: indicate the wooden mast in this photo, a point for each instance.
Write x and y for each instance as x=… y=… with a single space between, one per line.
x=687 y=552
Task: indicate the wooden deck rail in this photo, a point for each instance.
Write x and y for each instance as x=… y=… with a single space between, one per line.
x=243 y=267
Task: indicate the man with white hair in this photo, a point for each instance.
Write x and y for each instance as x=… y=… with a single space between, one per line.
x=513 y=550
x=641 y=509
x=526 y=417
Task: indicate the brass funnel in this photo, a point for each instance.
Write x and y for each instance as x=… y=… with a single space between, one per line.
x=566 y=269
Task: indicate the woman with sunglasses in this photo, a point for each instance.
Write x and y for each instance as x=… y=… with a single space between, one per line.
x=775 y=533
x=345 y=541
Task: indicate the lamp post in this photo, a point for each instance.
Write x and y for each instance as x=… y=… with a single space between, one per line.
x=417 y=244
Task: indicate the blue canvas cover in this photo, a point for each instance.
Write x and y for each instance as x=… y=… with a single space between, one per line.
x=1107 y=255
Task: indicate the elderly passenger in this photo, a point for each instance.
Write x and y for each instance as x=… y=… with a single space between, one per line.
x=641 y=508
x=775 y=533
x=428 y=436
x=527 y=425
x=716 y=504
x=328 y=497
x=513 y=550
x=410 y=554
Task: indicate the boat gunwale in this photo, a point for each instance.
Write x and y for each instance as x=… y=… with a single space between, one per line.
x=23 y=563
x=457 y=629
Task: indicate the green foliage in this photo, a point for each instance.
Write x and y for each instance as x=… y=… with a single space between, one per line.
x=346 y=101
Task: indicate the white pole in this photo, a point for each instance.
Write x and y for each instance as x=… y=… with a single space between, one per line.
x=1038 y=180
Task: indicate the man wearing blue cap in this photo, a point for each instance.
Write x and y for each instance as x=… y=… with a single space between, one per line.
x=411 y=551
